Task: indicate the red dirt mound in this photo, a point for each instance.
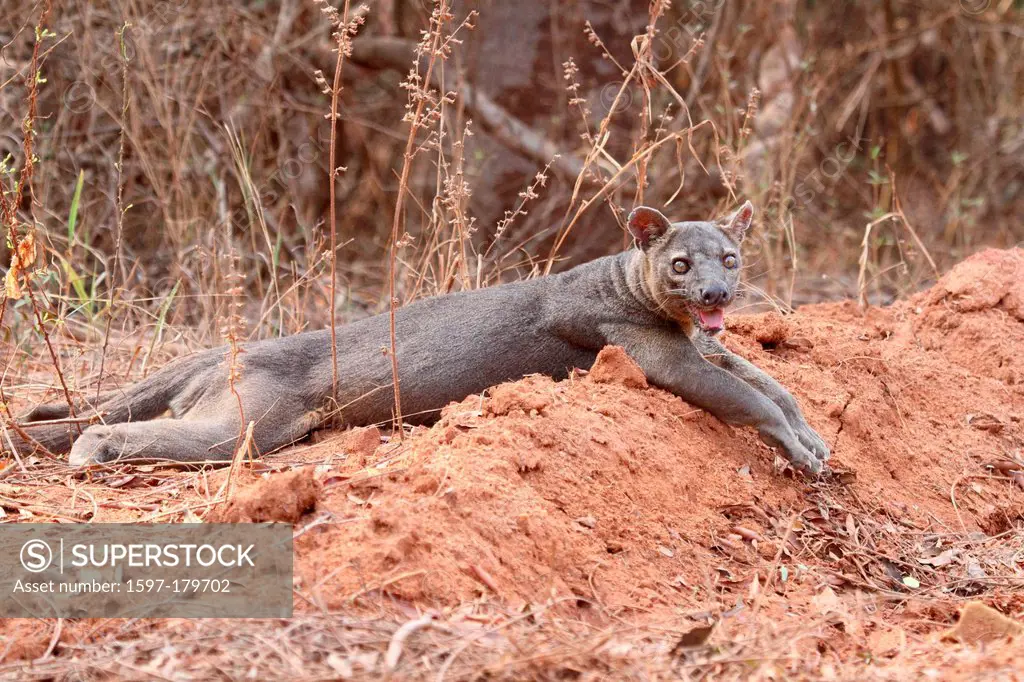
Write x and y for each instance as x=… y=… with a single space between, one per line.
x=605 y=490
x=613 y=366
x=968 y=315
x=282 y=497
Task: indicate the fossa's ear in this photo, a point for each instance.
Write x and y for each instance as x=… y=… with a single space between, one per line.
x=736 y=225
x=647 y=225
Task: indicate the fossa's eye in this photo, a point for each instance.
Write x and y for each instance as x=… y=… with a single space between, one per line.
x=680 y=266
x=730 y=261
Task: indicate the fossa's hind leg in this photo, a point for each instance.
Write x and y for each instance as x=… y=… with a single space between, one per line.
x=160 y=439
x=195 y=438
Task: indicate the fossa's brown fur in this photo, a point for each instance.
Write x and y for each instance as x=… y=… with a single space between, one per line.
x=661 y=302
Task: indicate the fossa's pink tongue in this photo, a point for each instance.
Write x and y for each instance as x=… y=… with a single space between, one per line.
x=712 y=319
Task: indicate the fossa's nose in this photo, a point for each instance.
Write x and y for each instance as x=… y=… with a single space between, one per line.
x=713 y=294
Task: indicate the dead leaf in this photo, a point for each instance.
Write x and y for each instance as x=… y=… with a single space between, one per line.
x=693 y=638
x=938 y=560
x=341 y=666
x=841 y=476
x=825 y=601
x=484 y=577
x=121 y=481
x=892 y=570
x=747 y=534
x=755 y=587
x=851 y=529
x=22 y=260
x=1007 y=466
x=986 y=422
x=975 y=571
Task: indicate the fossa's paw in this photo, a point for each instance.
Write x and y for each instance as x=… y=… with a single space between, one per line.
x=810 y=439
x=803 y=459
x=97 y=444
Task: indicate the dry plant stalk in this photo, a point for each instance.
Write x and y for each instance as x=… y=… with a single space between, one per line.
x=233 y=330
x=862 y=283
x=344 y=31
x=525 y=196
x=119 y=202
x=423 y=106
x=865 y=244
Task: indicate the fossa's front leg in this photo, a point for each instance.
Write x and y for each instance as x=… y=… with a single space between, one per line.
x=721 y=356
x=671 y=362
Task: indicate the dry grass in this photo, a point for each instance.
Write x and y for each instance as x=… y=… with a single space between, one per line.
x=479 y=643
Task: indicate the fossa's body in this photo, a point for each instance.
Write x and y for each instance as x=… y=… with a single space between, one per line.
x=661 y=302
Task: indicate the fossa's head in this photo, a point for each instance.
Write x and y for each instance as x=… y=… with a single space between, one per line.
x=692 y=269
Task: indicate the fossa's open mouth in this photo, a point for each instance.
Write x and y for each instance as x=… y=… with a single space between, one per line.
x=712 y=320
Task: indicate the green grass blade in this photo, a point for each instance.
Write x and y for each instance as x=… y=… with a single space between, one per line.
x=73 y=213
x=161 y=321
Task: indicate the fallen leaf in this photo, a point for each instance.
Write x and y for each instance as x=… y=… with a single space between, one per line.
x=484 y=577
x=747 y=533
x=693 y=638
x=938 y=560
x=851 y=529
x=986 y=422
x=825 y=601
x=755 y=588
x=121 y=481
x=341 y=666
x=892 y=570
x=1007 y=466
x=975 y=571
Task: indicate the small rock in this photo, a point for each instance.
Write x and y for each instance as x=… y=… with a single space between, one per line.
x=587 y=521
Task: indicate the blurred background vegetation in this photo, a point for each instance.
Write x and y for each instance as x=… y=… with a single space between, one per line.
x=881 y=140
